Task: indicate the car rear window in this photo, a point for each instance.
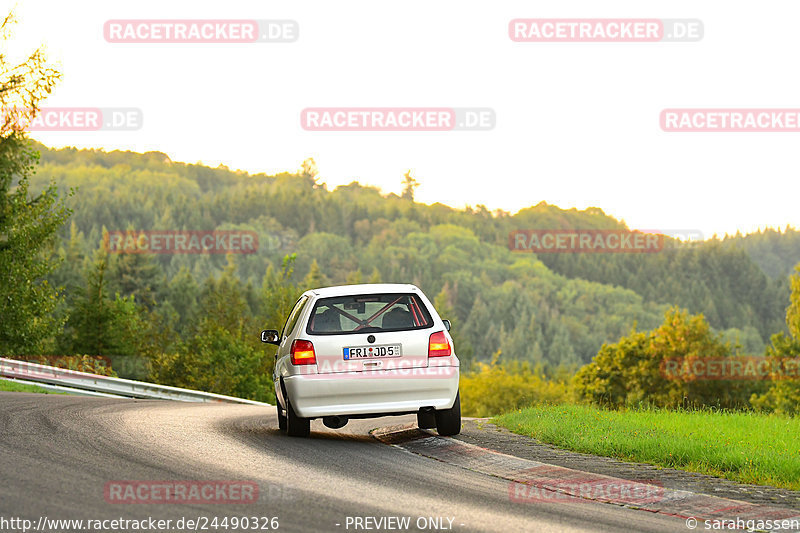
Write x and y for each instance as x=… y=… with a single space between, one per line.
x=368 y=313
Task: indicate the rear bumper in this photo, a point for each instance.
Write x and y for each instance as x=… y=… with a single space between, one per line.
x=362 y=393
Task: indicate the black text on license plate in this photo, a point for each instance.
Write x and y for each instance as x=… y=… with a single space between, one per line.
x=370 y=352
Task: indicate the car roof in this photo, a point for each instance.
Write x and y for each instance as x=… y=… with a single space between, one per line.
x=365 y=288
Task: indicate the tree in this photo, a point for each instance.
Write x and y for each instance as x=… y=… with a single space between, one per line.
x=315 y=277
x=783 y=395
x=631 y=372
x=70 y=271
x=388 y=238
x=443 y=303
x=334 y=251
x=279 y=294
x=310 y=173
x=409 y=186
x=354 y=277
x=561 y=351
x=375 y=277
x=182 y=293
x=136 y=275
x=99 y=324
x=496 y=388
x=223 y=353
x=217 y=360
x=793 y=311
x=27 y=223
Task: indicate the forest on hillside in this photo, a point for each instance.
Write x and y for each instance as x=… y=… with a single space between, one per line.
x=551 y=310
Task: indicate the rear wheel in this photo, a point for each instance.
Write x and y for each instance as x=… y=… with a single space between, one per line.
x=281 y=417
x=448 y=421
x=295 y=425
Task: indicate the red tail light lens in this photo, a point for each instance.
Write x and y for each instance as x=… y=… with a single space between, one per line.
x=438 y=345
x=303 y=353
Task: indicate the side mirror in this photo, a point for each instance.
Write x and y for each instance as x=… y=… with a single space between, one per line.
x=271 y=336
x=446 y=324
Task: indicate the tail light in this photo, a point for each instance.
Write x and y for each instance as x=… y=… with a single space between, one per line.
x=438 y=345
x=303 y=353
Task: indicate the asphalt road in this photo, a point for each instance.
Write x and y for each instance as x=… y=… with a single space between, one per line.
x=59 y=455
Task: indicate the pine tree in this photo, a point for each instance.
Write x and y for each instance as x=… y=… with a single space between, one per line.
x=409 y=186
x=375 y=277
x=99 y=324
x=136 y=275
x=354 y=278
x=315 y=278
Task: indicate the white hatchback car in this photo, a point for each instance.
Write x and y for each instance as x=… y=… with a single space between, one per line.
x=364 y=351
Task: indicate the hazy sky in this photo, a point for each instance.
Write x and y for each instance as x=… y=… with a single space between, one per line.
x=577 y=123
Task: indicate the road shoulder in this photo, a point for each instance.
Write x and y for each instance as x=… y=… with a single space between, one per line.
x=481 y=432
x=538 y=473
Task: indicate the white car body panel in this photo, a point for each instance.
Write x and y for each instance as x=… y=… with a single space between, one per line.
x=396 y=385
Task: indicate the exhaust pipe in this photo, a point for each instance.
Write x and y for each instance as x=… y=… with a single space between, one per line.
x=335 y=422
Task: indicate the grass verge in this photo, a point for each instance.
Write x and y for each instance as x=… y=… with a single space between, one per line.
x=12 y=386
x=744 y=447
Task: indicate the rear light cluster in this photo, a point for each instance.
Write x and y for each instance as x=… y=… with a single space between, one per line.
x=303 y=353
x=438 y=345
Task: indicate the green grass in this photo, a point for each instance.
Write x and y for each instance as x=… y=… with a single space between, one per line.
x=744 y=447
x=11 y=386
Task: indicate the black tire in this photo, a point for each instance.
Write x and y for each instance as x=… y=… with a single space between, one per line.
x=448 y=421
x=281 y=417
x=295 y=425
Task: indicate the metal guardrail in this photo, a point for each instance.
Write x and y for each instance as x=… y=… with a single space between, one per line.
x=58 y=389
x=63 y=378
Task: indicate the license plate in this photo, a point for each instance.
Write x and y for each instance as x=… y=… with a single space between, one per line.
x=372 y=352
